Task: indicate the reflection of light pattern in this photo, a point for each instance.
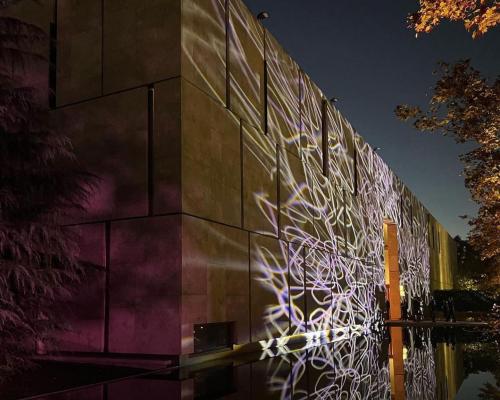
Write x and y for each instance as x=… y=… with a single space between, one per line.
x=347 y=368
x=420 y=369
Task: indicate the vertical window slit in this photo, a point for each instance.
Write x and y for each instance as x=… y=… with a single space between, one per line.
x=151 y=127
x=324 y=137
x=107 y=234
x=355 y=172
x=266 y=116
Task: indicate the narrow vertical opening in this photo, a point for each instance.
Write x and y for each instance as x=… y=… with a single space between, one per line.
x=304 y=288
x=266 y=101
x=355 y=172
x=278 y=191
x=242 y=191
x=102 y=47
x=151 y=128
x=344 y=220
x=301 y=111
x=324 y=137
x=107 y=247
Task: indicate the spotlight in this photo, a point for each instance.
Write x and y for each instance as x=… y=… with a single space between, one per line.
x=333 y=100
x=262 y=15
x=375 y=149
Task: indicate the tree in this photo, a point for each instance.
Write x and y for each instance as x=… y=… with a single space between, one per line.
x=474 y=273
x=465 y=106
x=478 y=16
x=39 y=182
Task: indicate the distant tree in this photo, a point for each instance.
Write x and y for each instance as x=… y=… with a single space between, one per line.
x=474 y=273
x=478 y=16
x=465 y=106
x=481 y=357
x=39 y=183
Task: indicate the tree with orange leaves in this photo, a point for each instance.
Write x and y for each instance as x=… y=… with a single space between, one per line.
x=466 y=106
x=478 y=16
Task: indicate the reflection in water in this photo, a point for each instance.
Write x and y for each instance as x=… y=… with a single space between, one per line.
x=400 y=363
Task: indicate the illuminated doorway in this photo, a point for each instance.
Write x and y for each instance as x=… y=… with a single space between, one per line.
x=393 y=289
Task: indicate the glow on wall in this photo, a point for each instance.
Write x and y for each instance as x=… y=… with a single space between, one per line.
x=334 y=194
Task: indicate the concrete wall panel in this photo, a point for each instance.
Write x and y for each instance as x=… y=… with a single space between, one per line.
x=343 y=288
x=204 y=46
x=82 y=313
x=269 y=292
x=296 y=206
x=109 y=136
x=145 y=286
x=297 y=282
x=215 y=278
x=79 y=50
x=318 y=290
x=246 y=64
x=142 y=40
x=211 y=169
x=282 y=96
x=167 y=147
x=311 y=113
x=328 y=204
x=341 y=147
x=260 y=182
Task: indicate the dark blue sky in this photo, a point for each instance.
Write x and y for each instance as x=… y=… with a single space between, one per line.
x=361 y=52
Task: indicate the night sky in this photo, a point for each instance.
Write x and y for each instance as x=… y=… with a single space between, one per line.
x=361 y=52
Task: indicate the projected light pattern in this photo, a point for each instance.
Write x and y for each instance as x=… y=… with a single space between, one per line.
x=331 y=207
x=246 y=59
x=198 y=45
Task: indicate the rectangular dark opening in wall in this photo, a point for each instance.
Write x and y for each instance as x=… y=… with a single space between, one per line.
x=214 y=336
x=214 y=383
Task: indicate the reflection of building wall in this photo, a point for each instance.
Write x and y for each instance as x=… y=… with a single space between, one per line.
x=230 y=189
x=449 y=370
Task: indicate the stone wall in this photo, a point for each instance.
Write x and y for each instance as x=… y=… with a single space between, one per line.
x=230 y=189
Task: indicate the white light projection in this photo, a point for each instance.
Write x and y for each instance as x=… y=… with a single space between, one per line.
x=334 y=225
x=331 y=219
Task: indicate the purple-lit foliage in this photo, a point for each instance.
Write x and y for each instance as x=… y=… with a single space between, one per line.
x=39 y=182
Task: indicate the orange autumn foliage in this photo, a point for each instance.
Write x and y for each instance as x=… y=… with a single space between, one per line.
x=478 y=16
x=466 y=106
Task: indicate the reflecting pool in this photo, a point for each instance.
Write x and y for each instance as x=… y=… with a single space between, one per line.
x=400 y=363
